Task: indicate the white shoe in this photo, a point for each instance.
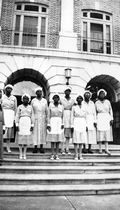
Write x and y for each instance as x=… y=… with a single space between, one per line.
x=76 y=157
x=24 y=157
x=63 y=152
x=56 y=157
x=20 y=157
x=68 y=152
x=8 y=150
x=52 y=157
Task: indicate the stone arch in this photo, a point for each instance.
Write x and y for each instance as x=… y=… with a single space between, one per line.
x=109 y=83
x=28 y=74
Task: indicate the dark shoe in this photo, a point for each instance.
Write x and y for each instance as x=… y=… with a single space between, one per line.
x=35 y=150
x=80 y=157
x=84 y=150
x=107 y=152
x=42 y=150
x=90 y=151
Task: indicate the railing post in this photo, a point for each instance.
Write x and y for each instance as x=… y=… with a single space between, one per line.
x=1 y=137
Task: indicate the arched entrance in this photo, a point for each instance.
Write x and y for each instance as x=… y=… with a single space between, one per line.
x=112 y=86
x=26 y=80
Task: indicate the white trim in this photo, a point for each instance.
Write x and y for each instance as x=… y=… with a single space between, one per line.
x=103 y=22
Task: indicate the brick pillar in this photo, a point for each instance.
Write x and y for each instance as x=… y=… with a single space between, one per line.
x=1 y=137
x=0 y=20
x=67 y=38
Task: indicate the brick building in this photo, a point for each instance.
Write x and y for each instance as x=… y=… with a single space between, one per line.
x=40 y=39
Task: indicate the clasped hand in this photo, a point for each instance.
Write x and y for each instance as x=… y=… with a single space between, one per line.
x=49 y=127
x=17 y=128
x=111 y=122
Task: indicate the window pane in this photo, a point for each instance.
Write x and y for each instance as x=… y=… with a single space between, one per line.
x=43 y=25
x=43 y=30
x=31 y=8
x=30 y=31
x=108 y=43
x=84 y=14
x=17 y=23
x=84 y=29
x=42 y=41
x=96 y=35
x=84 y=36
x=17 y=29
x=16 y=39
x=44 y=9
x=30 y=24
x=29 y=40
x=108 y=32
x=96 y=15
x=19 y=6
x=107 y=17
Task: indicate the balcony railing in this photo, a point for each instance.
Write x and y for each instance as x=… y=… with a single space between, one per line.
x=29 y=39
x=51 y=40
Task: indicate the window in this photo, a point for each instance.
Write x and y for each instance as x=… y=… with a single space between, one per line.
x=96 y=15
x=96 y=32
x=30 y=25
x=84 y=36
x=96 y=37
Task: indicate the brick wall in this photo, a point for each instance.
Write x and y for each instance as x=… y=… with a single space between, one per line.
x=53 y=22
x=112 y=6
x=7 y=20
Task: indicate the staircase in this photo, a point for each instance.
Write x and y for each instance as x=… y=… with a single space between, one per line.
x=96 y=174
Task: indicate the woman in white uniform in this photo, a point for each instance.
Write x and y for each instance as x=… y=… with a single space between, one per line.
x=79 y=126
x=40 y=109
x=67 y=103
x=9 y=105
x=91 y=121
x=55 y=125
x=24 y=124
x=104 y=120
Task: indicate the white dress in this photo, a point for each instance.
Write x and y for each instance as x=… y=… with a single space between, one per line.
x=55 y=120
x=79 y=123
x=67 y=104
x=9 y=105
x=40 y=109
x=91 y=119
x=104 y=116
x=24 y=120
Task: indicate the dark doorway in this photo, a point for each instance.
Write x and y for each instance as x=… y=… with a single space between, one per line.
x=116 y=125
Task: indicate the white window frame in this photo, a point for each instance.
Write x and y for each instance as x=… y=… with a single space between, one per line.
x=103 y=22
x=39 y=14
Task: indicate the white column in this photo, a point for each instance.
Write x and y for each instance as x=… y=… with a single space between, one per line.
x=67 y=38
x=0 y=20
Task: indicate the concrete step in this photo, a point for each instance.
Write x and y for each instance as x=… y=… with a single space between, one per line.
x=59 y=190
x=59 y=169
x=95 y=148
x=61 y=179
x=61 y=162
x=38 y=175
x=48 y=154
